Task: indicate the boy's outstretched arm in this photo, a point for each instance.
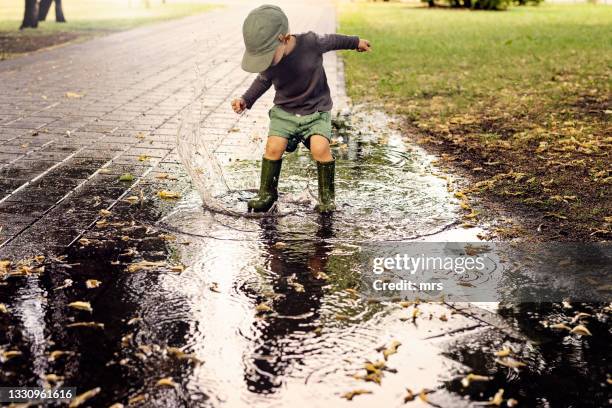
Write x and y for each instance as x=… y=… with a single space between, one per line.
x=332 y=42
x=259 y=86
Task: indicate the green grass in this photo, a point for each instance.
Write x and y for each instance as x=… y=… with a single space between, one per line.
x=463 y=56
x=528 y=87
x=93 y=17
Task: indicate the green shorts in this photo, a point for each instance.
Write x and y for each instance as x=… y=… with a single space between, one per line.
x=298 y=128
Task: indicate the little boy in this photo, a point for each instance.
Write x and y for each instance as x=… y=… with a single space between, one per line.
x=302 y=104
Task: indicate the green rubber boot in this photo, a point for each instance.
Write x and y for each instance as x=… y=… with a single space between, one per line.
x=268 y=187
x=327 y=192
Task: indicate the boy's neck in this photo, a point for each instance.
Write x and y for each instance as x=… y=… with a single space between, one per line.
x=290 y=45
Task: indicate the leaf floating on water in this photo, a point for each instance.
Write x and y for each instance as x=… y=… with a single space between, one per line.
x=263 y=308
x=279 y=245
x=560 y=326
x=409 y=396
x=7 y=355
x=54 y=355
x=352 y=394
x=134 y=320
x=144 y=265
x=498 y=398
x=80 y=305
x=423 y=395
x=581 y=330
x=468 y=379
x=504 y=352
x=391 y=349
x=92 y=283
x=180 y=355
x=126 y=177
x=137 y=399
x=82 y=398
x=3 y=309
x=292 y=281
x=511 y=403
x=510 y=362
x=53 y=378
x=168 y=195
x=93 y=325
x=166 y=382
x=579 y=316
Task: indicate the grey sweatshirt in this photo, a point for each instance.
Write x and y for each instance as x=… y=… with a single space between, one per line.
x=299 y=78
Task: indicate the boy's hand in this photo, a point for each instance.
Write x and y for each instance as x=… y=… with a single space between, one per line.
x=238 y=105
x=364 y=46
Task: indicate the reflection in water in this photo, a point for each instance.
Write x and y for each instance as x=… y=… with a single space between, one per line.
x=294 y=267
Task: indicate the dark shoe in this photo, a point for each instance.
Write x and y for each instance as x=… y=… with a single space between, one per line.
x=327 y=193
x=268 y=187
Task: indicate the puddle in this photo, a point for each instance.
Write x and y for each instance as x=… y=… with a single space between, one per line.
x=265 y=313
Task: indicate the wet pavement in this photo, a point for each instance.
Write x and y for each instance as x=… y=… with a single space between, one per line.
x=185 y=307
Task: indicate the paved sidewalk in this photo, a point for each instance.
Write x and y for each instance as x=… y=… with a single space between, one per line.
x=69 y=112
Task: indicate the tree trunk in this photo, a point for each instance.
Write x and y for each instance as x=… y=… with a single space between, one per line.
x=59 y=12
x=43 y=9
x=30 y=15
x=431 y=3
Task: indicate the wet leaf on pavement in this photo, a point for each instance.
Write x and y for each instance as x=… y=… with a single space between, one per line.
x=126 y=177
x=73 y=95
x=132 y=199
x=168 y=195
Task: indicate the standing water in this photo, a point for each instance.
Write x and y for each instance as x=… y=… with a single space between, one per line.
x=228 y=310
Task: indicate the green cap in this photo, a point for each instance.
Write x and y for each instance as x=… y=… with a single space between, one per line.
x=260 y=31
